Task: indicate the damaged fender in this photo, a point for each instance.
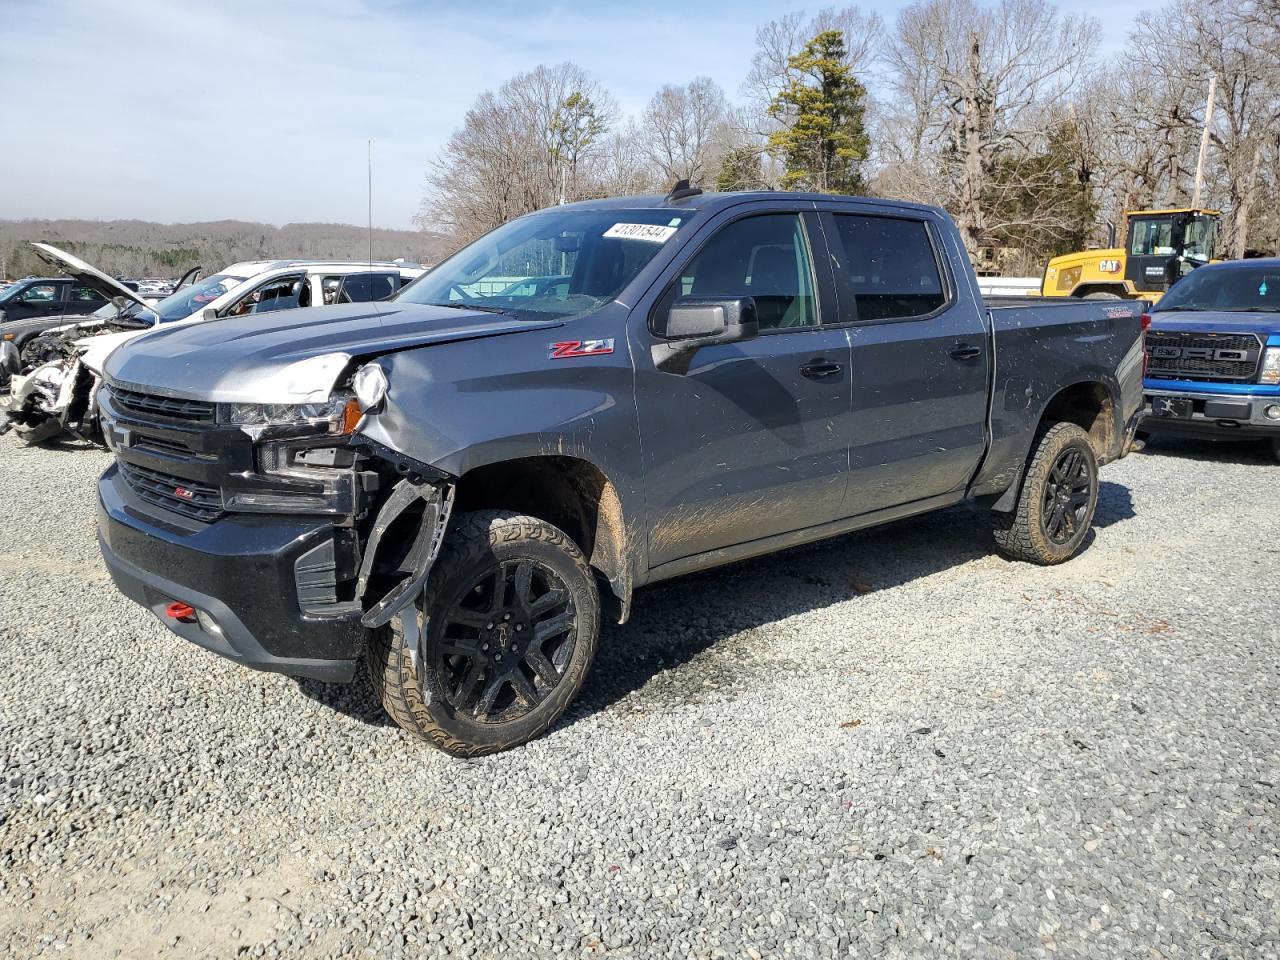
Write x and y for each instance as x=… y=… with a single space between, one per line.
x=416 y=565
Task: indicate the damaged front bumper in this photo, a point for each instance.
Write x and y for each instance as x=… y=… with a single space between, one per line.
x=246 y=578
x=288 y=591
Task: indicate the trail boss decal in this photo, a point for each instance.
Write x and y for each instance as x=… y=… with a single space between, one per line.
x=566 y=349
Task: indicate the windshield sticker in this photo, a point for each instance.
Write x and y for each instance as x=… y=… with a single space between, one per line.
x=651 y=232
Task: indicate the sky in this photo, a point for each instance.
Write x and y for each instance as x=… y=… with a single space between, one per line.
x=175 y=111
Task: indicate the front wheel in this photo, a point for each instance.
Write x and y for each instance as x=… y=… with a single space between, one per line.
x=1275 y=447
x=508 y=623
x=1058 y=500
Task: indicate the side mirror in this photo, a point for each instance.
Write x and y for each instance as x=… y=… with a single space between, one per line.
x=208 y=313
x=693 y=322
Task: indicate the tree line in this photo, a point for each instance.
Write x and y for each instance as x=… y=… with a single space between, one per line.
x=1002 y=112
x=136 y=248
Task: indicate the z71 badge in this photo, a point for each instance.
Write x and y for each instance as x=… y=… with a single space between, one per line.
x=566 y=349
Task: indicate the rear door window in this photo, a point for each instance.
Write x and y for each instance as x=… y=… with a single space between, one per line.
x=364 y=287
x=85 y=295
x=892 y=267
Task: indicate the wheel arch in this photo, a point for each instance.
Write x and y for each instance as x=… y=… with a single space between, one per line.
x=1119 y=289
x=1092 y=405
x=571 y=493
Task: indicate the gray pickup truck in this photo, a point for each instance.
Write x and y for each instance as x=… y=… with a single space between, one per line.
x=459 y=484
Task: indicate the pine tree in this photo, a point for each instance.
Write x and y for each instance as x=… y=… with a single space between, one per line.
x=823 y=141
x=740 y=169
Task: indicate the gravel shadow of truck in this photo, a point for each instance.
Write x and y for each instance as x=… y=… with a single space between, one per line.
x=683 y=619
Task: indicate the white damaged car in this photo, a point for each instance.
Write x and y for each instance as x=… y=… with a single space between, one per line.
x=54 y=380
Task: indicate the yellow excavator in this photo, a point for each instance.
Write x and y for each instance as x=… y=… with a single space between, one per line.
x=1160 y=246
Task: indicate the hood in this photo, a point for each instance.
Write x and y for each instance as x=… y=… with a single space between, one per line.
x=295 y=356
x=94 y=349
x=91 y=277
x=1215 y=321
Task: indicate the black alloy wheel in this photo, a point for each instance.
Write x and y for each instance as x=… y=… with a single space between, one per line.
x=1065 y=499
x=506 y=641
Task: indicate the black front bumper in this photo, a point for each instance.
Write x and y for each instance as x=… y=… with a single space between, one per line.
x=241 y=572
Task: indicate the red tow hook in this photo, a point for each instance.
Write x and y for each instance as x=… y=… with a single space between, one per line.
x=182 y=612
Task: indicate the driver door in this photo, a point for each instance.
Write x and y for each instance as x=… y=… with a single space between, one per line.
x=750 y=439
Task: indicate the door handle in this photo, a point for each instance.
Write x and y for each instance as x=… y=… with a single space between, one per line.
x=965 y=351
x=818 y=368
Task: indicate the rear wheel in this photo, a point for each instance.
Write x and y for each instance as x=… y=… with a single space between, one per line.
x=508 y=623
x=1102 y=295
x=1058 y=500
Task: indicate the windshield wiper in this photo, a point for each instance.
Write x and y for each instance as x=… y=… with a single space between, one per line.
x=465 y=306
x=1182 y=309
x=1254 y=310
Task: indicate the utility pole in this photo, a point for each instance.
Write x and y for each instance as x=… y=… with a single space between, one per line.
x=1204 y=141
x=369 y=152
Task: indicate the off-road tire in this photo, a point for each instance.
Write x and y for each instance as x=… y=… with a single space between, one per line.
x=477 y=541
x=1021 y=534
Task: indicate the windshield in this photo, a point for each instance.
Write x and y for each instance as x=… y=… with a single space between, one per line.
x=11 y=291
x=549 y=265
x=192 y=299
x=1236 y=289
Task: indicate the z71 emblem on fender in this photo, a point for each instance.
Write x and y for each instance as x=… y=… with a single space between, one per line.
x=566 y=349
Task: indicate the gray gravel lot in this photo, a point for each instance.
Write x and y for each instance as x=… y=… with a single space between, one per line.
x=893 y=744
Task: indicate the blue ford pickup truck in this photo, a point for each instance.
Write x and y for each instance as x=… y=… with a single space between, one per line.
x=1213 y=355
x=459 y=484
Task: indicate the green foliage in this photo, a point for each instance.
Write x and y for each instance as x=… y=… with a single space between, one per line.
x=824 y=141
x=1042 y=203
x=740 y=169
x=576 y=125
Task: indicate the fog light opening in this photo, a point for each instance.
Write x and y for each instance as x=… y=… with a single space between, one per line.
x=1273 y=411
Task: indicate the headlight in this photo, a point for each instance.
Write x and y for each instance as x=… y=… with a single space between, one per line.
x=370 y=386
x=1270 y=366
x=340 y=414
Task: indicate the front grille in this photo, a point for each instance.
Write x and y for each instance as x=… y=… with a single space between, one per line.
x=190 y=411
x=1202 y=356
x=195 y=500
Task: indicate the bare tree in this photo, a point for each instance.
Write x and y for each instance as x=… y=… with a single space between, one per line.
x=527 y=146
x=680 y=128
x=978 y=81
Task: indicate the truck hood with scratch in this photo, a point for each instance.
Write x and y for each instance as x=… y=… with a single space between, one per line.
x=293 y=357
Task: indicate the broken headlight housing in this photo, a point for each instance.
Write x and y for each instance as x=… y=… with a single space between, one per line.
x=341 y=412
x=304 y=464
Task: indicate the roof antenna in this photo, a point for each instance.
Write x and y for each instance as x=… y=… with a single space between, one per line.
x=681 y=190
x=369 y=151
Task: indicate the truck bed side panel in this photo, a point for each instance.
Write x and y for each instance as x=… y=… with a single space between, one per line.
x=1043 y=348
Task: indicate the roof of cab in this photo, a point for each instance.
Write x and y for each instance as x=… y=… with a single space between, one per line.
x=718 y=201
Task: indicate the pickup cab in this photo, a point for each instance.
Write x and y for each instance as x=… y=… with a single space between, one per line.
x=1213 y=355
x=459 y=484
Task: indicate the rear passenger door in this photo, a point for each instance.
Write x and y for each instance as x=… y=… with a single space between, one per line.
x=750 y=440
x=919 y=359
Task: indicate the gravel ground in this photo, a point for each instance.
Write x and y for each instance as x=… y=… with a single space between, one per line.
x=895 y=744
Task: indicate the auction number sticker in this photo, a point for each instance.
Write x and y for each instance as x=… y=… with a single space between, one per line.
x=652 y=232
